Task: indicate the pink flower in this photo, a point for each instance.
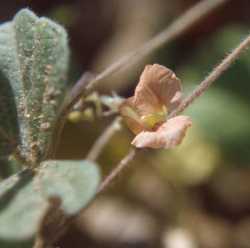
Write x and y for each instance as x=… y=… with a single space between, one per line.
x=157 y=94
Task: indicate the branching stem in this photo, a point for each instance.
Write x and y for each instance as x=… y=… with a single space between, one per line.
x=199 y=90
x=86 y=84
x=177 y=28
x=100 y=143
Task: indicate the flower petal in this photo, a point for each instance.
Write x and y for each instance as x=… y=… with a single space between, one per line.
x=168 y=135
x=157 y=94
x=130 y=116
x=158 y=86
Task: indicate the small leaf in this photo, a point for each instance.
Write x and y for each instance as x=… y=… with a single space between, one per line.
x=24 y=197
x=34 y=58
x=75 y=182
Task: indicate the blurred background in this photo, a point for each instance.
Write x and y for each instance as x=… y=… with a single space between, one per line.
x=197 y=195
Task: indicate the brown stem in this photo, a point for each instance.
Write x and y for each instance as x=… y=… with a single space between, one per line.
x=200 y=89
x=86 y=84
x=177 y=28
x=80 y=85
x=100 y=143
x=215 y=74
x=118 y=169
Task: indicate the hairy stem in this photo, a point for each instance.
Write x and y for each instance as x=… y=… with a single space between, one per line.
x=88 y=82
x=117 y=170
x=100 y=143
x=215 y=74
x=199 y=90
x=81 y=84
x=177 y=28
x=84 y=87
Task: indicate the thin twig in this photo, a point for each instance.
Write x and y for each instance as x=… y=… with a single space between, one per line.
x=100 y=143
x=85 y=85
x=203 y=86
x=215 y=74
x=82 y=83
x=199 y=90
x=117 y=170
x=177 y=28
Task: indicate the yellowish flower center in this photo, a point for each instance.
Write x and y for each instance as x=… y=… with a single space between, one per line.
x=151 y=120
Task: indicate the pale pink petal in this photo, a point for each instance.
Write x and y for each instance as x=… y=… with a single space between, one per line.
x=168 y=135
x=130 y=116
x=158 y=86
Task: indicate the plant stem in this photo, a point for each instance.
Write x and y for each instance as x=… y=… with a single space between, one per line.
x=199 y=90
x=103 y=139
x=117 y=170
x=177 y=28
x=86 y=84
x=82 y=83
x=215 y=74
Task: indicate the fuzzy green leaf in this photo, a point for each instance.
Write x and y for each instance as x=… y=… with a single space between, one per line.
x=34 y=58
x=24 y=197
x=8 y=119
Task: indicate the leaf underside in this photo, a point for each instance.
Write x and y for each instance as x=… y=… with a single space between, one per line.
x=24 y=197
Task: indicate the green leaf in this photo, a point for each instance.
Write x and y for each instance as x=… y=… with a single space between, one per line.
x=34 y=58
x=8 y=119
x=24 y=197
